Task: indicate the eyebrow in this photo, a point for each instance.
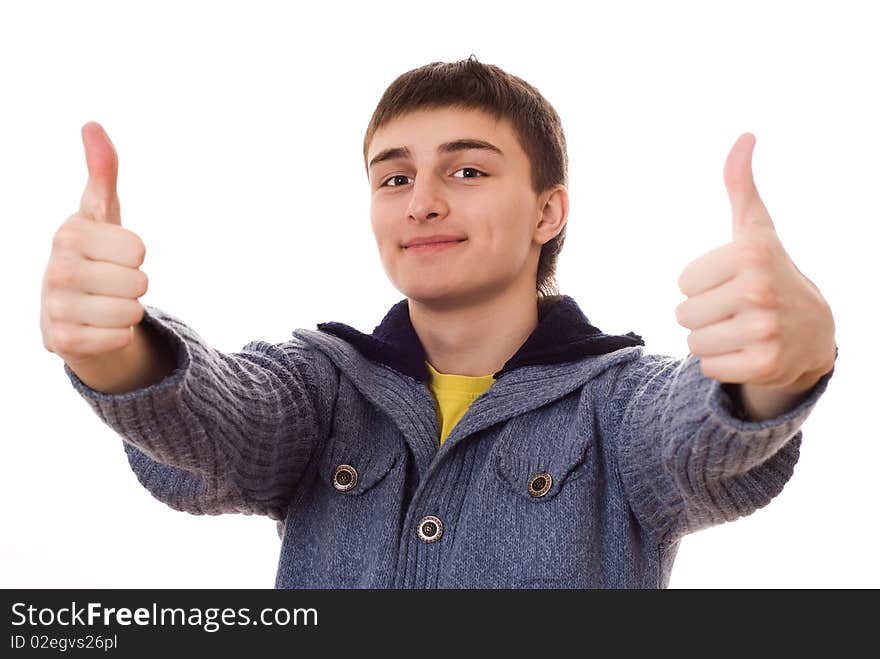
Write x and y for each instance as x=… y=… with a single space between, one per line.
x=447 y=147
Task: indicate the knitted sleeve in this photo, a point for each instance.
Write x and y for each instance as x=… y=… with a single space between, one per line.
x=687 y=461
x=223 y=433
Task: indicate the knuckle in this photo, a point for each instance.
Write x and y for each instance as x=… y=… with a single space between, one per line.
x=760 y=293
x=57 y=307
x=138 y=248
x=61 y=274
x=681 y=281
x=140 y=252
x=66 y=238
x=137 y=313
x=679 y=315
x=768 y=364
x=143 y=283
x=768 y=326
x=72 y=218
x=100 y=207
x=754 y=253
x=64 y=339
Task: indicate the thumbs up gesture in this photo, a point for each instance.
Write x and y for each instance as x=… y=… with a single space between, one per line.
x=755 y=318
x=99 y=200
x=92 y=280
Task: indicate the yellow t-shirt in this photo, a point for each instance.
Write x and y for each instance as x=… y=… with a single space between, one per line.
x=454 y=395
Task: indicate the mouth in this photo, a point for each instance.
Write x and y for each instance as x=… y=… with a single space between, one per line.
x=433 y=247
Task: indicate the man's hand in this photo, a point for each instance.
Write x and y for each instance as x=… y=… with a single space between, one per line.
x=89 y=301
x=755 y=318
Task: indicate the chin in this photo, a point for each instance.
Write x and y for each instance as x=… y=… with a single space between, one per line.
x=425 y=292
x=443 y=295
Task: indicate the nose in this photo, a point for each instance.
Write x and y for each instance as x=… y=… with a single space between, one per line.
x=426 y=202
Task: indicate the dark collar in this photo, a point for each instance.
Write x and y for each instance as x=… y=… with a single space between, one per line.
x=563 y=334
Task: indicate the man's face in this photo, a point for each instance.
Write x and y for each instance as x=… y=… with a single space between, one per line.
x=477 y=195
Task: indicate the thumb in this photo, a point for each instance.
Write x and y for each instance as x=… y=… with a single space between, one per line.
x=748 y=209
x=99 y=200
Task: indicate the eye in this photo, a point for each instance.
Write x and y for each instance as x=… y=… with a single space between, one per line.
x=392 y=178
x=470 y=169
x=385 y=183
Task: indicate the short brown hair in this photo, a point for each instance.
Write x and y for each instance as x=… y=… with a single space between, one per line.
x=470 y=84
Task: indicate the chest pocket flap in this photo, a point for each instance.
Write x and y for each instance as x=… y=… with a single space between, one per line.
x=537 y=455
x=352 y=468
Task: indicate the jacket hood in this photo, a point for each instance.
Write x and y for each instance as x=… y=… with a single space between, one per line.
x=563 y=334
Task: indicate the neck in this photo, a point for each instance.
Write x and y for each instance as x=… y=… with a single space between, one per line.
x=475 y=337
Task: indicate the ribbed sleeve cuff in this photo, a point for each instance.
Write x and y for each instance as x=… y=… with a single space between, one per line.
x=222 y=432
x=688 y=462
x=154 y=418
x=164 y=324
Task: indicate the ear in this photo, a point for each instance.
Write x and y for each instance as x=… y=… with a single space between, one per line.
x=553 y=213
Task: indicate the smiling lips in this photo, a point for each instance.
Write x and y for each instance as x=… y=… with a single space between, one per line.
x=432 y=242
x=430 y=248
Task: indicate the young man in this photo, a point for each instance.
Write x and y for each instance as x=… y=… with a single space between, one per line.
x=485 y=434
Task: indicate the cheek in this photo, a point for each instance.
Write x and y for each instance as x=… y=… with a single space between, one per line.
x=385 y=239
x=374 y=218
x=379 y=226
x=507 y=230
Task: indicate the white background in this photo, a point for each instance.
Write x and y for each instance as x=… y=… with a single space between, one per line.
x=239 y=129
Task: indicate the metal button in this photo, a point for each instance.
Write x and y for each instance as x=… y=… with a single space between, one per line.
x=540 y=483
x=345 y=477
x=430 y=529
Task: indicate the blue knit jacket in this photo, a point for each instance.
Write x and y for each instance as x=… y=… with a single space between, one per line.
x=582 y=466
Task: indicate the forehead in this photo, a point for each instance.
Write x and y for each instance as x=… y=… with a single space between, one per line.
x=423 y=130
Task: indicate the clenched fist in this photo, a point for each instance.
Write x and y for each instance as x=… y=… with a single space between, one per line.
x=92 y=283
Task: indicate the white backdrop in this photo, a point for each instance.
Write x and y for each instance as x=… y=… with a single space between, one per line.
x=239 y=129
